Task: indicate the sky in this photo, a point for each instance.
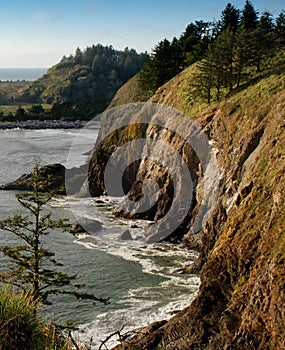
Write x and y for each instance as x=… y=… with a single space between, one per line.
x=38 y=33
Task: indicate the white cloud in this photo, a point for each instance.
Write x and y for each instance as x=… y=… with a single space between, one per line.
x=46 y=16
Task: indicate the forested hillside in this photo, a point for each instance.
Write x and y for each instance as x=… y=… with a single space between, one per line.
x=83 y=84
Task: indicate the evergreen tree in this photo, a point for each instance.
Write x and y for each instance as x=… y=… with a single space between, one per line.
x=266 y=22
x=229 y=18
x=20 y=114
x=78 y=56
x=34 y=268
x=249 y=16
x=243 y=53
x=205 y=80
x=195 y=40
x=165 y=62
x=280 y=28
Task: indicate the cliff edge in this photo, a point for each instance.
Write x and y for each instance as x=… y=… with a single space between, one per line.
x=240 y=304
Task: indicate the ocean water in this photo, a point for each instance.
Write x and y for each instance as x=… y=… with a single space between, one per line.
x=141 y=281
x=15 y=74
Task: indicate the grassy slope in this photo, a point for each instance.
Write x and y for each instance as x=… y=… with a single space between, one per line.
x=128 y=93
x=9 y=89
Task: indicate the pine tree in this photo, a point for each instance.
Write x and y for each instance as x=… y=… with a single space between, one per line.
x=166 y=61
x=229 y=18
x=280 y=28
x=204 y=80
x=34 y=268
x=249 y=16
x=243 y=53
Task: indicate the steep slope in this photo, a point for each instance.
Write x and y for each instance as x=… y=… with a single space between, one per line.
x=241 y=300
x=128 y=93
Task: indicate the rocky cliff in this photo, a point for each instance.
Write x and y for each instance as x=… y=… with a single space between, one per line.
x=241 y=300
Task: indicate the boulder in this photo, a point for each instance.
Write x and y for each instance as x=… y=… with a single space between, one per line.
x=87 y=226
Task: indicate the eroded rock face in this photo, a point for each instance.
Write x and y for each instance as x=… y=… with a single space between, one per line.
x=163 y=166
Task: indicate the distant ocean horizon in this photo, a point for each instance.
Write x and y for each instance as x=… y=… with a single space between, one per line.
x=20 y=74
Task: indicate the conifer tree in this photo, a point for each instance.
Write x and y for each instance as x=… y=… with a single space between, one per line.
x=229 y=18
x=249 y=16
x=34 y=268
x=280 y=28
x=204 y=80
x=243 y=53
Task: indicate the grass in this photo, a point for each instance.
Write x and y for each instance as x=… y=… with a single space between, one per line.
x=20 y=328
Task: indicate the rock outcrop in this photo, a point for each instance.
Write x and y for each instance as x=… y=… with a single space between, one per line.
x=53 y=173
x=240 y=304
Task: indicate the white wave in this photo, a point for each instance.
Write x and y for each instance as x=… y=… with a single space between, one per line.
x=144 y=305
x=138 y=314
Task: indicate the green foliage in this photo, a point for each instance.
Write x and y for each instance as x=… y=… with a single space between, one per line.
x=165 y=62
x=237 y=53
x=21 y=328
x=168 y=59
x=240 y=39
x=34 y=268
x=280 y=28
x=249 y=16
x=229 y=18
x=85 y=82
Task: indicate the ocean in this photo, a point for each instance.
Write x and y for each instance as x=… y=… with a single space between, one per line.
x=141 y=281
x=19 y=74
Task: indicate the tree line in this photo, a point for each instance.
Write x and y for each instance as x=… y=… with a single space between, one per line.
x=63 y=111
x=226 y=48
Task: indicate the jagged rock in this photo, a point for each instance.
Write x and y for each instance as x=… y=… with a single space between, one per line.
x=75 y=179
x=87 y=226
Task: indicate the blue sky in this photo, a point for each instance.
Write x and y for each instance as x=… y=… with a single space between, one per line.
x=37 y=33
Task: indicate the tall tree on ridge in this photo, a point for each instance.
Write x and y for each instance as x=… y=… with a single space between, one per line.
x=249 y=16
x=229 y=18
x=280 y=28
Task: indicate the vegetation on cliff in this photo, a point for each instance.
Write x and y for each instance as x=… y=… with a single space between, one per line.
x=22 y=328
x=241 y=298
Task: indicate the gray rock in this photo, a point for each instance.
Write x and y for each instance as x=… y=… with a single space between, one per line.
x=126 y=236
x=87 y=226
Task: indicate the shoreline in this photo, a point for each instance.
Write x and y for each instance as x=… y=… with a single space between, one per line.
x=46 y=124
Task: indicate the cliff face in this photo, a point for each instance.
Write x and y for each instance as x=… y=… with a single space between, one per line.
x=241 y=300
